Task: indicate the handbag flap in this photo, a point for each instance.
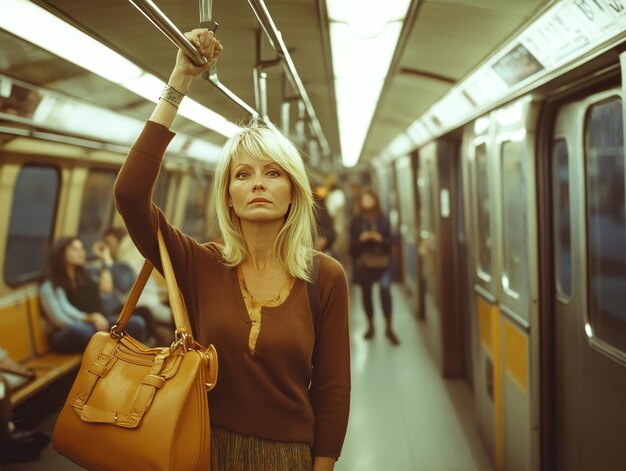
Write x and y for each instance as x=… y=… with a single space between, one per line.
x=120 y=377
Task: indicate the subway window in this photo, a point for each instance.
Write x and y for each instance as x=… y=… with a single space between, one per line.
x=514 y=220
x=194 y=223
x=606 y=227
x=97 y=208
x=561 y=209
x=31 y=223
x=483 y=211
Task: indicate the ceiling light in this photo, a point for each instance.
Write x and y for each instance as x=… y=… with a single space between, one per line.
x=85 y=120
x=41 y=28
x=363 y=40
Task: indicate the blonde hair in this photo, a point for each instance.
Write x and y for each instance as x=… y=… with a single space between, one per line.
x=294 y=243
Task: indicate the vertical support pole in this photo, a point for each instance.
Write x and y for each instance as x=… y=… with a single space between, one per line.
x=314 y=152
x=263 y=94
x=301 y=124
x=205 y=8
x=285 y=110
x=256 y=72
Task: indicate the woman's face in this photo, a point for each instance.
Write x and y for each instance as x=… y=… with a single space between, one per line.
x=259 y=191
x=367 y=202
x=75 y=254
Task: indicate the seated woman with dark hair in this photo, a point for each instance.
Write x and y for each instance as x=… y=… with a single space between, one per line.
x=72 y=300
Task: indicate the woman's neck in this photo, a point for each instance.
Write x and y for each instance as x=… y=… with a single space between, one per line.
x=260 y=238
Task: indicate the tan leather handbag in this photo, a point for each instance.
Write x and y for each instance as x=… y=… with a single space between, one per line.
x=134 y=407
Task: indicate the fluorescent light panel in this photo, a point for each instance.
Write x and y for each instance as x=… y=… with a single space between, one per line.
x=41 y=28
x=111 y=130
x=363 y=37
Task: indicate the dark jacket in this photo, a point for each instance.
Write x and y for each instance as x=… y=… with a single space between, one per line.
x=360 y=224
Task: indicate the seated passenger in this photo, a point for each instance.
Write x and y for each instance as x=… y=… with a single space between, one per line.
x=125 y=263
x=122 y=275
x=71 y=299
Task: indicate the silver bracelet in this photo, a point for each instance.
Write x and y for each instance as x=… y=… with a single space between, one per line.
x=171 y=95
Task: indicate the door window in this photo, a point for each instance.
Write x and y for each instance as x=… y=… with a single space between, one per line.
x=562 y=218
x=483 y=211
x=606 y=228
x=514 y=220
x=96 y=212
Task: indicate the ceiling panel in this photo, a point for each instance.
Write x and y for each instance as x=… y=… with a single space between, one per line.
x=448 y=40
x=118 y=24
x=410 y=97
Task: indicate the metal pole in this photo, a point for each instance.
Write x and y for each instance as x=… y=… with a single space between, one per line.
x=263 y=94
x=206 y=21
x=285 y=110
x=215 y=81
x=301 y=124
x=276 y=41
x=206 y=10
x=163 y=24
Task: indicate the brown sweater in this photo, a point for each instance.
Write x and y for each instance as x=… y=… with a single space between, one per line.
x=267 y=394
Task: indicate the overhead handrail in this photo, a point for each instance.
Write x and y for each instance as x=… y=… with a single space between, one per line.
x=206 y=20
x=276 y=41
x=260 y=77
x=165 y=25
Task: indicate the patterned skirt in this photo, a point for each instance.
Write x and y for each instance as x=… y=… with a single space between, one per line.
x=231 y=451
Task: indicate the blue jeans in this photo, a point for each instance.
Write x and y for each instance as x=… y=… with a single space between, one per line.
x=74 y=338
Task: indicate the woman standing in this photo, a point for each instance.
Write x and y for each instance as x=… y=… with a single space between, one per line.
x=282 y=399
x=370 y=246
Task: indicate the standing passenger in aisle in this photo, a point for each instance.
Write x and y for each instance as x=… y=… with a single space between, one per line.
x=282 y=398
x=370 y=246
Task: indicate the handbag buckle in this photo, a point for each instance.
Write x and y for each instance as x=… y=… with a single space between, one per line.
x=115 y=334
x=179 y=339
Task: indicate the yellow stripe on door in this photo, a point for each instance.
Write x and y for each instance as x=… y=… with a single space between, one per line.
x=516 y=356
x=489 y=335
x=497 y=388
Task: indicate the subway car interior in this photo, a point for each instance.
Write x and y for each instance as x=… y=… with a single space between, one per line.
x=487 y=135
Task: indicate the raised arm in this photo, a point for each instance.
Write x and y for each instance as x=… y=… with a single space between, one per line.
x=136 y=180
x=185 y=71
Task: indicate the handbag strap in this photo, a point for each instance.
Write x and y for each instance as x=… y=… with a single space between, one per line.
x=179 y=311
x=314 y=301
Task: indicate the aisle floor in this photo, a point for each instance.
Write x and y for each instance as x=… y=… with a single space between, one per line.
x=403 y=417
